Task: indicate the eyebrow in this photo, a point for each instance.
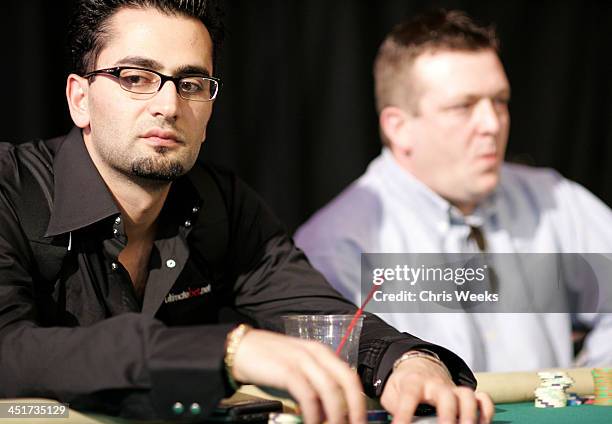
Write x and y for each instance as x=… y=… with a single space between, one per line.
x=474 y=97
x=144 y=62
x=190 y=70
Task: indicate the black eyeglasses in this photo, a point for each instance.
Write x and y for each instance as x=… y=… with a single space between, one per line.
x=199 y=88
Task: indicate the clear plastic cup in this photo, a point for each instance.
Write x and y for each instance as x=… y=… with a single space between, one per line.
x=329 y=330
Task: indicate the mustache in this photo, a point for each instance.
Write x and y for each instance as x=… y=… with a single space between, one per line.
x=163 y=126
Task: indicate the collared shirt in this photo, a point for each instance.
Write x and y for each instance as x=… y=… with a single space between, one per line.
x=388 y=210
x=73 y=328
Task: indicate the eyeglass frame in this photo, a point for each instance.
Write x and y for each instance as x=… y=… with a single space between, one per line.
x=116 y=72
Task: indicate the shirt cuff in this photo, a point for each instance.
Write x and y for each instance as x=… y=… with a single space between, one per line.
x=459 y=371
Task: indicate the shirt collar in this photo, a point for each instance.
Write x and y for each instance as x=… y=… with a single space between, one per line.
x=81 y=197
x=418 y=196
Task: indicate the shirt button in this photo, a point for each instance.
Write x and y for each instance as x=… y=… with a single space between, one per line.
x=178 y=408
x=118 y=220
x=115 y=231
x=195 y=209
x=170 y=263
x=114 y=266
x=195 y=408
x=188 y=223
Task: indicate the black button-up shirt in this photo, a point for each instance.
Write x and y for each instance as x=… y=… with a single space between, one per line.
x=72 y=326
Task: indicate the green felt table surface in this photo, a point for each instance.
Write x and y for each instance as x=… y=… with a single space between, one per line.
x=527 y=413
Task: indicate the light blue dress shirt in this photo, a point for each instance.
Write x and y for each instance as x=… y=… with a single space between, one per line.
x=532 y=210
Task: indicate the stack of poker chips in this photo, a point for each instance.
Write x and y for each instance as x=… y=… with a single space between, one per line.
x=552 y=390
x=602 y=381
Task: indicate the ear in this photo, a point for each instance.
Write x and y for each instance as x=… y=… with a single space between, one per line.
x=77 y=89
x=395 y=124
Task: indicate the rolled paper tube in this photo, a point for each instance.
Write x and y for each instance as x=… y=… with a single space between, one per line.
x=289 y=405
x=508 y=387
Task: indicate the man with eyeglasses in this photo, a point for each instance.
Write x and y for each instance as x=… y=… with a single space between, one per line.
x=120 y=256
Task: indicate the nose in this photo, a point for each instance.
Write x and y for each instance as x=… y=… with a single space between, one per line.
x=489 y=117
x=166 y=101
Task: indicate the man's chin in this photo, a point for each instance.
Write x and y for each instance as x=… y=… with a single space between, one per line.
x=161 y=171
x=486 y=186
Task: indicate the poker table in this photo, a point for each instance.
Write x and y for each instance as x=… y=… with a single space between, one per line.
x=525 y=412
x=511 y=392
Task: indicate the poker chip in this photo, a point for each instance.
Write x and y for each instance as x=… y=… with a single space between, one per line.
x=602 y=382
x=552 y=390
x=574 y=400
x=284 y=418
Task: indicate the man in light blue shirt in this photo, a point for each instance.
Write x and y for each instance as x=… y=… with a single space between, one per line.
x=442 y=97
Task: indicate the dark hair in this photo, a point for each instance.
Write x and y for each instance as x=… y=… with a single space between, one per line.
x=88 y=29
x=436 y=30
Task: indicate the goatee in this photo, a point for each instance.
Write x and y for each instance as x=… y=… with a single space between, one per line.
x=157 y=170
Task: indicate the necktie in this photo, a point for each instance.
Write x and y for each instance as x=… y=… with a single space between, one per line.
x=492 y=282
x=477 y=236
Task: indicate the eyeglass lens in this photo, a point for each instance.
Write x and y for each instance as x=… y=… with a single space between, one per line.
x=146 y=82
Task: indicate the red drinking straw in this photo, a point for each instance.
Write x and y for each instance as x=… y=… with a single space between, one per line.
x=359 y=312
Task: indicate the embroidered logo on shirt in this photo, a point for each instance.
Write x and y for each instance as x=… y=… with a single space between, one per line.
x=187 y=294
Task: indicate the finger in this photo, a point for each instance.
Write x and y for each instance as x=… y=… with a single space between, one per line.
x=306 y=397
x=351 y=386
x=403 y=408
x=468 y=406
x=443 y=398
x=486 y=406
x=348 y=381
x=328 y=390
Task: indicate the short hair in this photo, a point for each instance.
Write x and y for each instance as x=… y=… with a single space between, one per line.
x=89 y=26
x=429 y=32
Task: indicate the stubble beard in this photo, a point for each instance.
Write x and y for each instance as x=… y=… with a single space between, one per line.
x=159 y=168
x=153 y=171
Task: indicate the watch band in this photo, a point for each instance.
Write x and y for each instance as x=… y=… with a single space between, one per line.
x=423 y=354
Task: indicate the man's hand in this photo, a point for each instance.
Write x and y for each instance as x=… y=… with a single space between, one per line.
x=323 y=385
x=419 y=380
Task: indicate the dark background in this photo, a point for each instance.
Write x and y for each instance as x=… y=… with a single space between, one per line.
x=296 y=118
